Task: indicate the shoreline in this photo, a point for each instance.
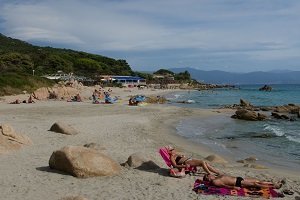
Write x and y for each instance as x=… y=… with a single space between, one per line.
x=122 y=130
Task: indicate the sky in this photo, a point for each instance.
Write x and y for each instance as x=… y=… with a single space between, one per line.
x=228 y=35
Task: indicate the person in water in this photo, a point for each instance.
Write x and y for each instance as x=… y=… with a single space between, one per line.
x=238 y=182
x=180 y=161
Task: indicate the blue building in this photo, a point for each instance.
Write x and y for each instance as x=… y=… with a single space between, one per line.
x=128 y=81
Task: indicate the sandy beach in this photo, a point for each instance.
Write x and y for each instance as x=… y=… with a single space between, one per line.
x=120 y=130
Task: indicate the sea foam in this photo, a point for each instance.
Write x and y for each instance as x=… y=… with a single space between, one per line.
x=274 y=129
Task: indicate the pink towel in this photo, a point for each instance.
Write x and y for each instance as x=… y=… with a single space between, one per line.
x=203 y=187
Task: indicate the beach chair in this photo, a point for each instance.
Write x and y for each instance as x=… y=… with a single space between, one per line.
x=174 y=172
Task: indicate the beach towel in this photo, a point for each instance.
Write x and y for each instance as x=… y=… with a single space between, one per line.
x=205 y=188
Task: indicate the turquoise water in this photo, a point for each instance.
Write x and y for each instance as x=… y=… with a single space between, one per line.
x=273 y=142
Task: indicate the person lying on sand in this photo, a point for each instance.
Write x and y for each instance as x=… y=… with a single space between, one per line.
x=132 y=102
x=17 y=101
x=180 y=161
x=238 y=182
x=30 y=100
x=76 y=98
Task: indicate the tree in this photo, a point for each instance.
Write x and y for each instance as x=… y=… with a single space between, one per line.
x=88 y=66
x=183 y=76
x=15 y=62
x=144 y=75
x=54 y=63
x=164 y=72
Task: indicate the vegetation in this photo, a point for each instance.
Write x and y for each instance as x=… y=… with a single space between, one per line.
x=18 y=60
x=180 y=77
x=16 y=55
x=16 y=83
x=163 y=72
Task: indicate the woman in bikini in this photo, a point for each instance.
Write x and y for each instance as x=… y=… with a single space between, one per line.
x=180 y=161
x=233 y=182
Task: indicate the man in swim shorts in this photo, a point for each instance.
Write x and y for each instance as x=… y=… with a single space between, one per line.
x=238 y=182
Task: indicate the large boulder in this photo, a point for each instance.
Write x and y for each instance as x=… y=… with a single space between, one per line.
x=63 y=92
x=290 y=108
x=41 y=93
x=248 y=115
x=244 y=103
x=60 y=127
x=138 y=160
x=248 y=160
x=279 y=116
x=83 y=162
x=10 y=140
x=56 y=92
x=216 y=159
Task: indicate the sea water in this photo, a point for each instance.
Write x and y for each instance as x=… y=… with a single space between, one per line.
x=273 y=142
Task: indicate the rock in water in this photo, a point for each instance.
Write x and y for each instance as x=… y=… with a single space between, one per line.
x=249 y=115
x=265 y=88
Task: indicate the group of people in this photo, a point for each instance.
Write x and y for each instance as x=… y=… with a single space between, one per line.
x=17 y=101
x=102 y=94
x=214 y=176
x=135 y=100
x=76 y=98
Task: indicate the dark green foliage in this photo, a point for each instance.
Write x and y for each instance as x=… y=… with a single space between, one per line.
x=18 y=59
x=46 y=60
x=54 y=63
x=14 y=83
x=164 y=72
x=10 y=62
x=184 y=76
x=146 y=76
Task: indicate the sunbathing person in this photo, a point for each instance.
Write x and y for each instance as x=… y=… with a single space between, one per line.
x=132 y=102
x=76 y=98
x=108 y=99
x=180 y=161
x=30 y=100
x=238 y=182
x=17 y=101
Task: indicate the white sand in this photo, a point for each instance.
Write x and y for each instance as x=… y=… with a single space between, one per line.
x=122 y=130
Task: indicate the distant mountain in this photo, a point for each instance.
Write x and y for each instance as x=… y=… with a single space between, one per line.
x=259 y=77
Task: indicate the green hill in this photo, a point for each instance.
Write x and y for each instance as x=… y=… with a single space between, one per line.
x=18 y=59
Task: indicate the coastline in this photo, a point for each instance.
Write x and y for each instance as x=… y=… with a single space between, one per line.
x=120 y=129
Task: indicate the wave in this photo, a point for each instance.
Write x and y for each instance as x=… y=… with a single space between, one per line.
x=274 y=129
x=293 y=139
x=174 y=96
x=279 y=132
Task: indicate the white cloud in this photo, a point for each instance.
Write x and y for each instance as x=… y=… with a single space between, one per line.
x=257 y=29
